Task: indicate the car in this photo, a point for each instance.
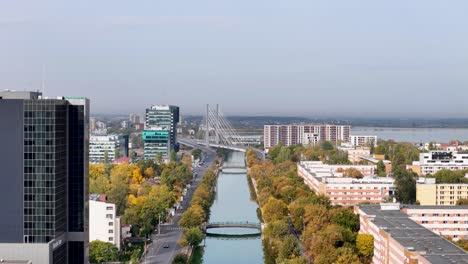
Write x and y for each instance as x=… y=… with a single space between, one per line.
x=166 y=246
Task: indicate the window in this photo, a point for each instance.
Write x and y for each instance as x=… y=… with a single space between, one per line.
x=111 y=239
x=111 y=231
x=109 y=216
x=109 y=208
x=435 y=214
x=111 y=223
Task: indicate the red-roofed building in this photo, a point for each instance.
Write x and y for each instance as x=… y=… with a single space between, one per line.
x=121 y=160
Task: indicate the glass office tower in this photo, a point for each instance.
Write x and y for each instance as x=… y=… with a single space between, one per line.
x=160 y=134
x=44 y=176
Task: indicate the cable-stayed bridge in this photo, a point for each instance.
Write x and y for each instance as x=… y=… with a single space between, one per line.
x=219 y=133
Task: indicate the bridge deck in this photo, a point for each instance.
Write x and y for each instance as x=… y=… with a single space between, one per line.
x=233 y=225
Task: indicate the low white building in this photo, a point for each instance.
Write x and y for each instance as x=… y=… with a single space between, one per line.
x=362 y=140
x=104 y=225
x=435 y=161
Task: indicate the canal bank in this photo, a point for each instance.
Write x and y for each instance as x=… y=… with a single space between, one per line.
x=232 y=204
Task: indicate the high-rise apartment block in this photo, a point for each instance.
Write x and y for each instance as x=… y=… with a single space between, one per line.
x=362 y=140
x=160 y=134
x=44 y=178
x=288 y=135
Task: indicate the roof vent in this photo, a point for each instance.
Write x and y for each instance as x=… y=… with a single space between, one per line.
x=410 y=248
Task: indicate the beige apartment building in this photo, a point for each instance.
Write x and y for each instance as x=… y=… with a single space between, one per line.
x=428 y=192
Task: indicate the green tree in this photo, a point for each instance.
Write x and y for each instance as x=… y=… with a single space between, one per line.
x=180 y=259
x=173 y=156
x=289 y=248
x=365 y=245
x=193 y=237
x=327 y=145
x=193 y=217
x=345 y=217
x=102 y=252
x=381 y=168
x=448 y=176
x=283 y=155
x=158 y=158
x=118 y=192
x=276 y=229
x=405 y=182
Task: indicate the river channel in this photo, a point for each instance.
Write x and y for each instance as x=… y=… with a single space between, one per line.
x=233 y=204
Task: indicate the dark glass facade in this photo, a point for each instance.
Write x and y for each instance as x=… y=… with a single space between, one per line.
x=51 y=140
x=45 y=170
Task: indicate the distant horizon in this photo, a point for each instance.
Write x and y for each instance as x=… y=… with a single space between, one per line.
x=329 y=116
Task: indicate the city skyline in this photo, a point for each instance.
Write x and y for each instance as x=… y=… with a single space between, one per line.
x=307 y=59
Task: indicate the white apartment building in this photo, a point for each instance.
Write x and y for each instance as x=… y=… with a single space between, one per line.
x=447 y=221
x=288 y=135
x=104 y=225
x=362 y=140
x=435 y=161
x=100 y=145
x=342 y=190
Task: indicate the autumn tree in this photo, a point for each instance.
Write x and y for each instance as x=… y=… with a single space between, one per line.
x=365 y=245
x=353 y=173
x=274 y=209
x=194 y=216
x=462 y=201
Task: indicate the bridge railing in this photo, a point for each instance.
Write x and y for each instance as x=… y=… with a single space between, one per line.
x=235 y=223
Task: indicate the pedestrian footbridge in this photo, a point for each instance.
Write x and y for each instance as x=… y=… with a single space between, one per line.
x=240 y=224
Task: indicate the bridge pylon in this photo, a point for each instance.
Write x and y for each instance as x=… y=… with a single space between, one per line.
x=218 y=129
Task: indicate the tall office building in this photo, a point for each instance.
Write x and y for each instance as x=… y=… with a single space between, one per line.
x=44 y=178
x=160 y=134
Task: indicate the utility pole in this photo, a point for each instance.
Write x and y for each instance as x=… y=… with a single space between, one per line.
x=207 y=126
x=159 y=225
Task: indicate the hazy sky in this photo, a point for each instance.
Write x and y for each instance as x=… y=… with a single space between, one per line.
x=267 y=57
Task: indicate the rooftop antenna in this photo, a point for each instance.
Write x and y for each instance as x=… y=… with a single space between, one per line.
x=43 y=79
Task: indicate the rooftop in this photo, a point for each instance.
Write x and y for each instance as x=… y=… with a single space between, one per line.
x=97 y=197
x=6 y=261
x=415 y=237
x=12 y=94
x=444 y=207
